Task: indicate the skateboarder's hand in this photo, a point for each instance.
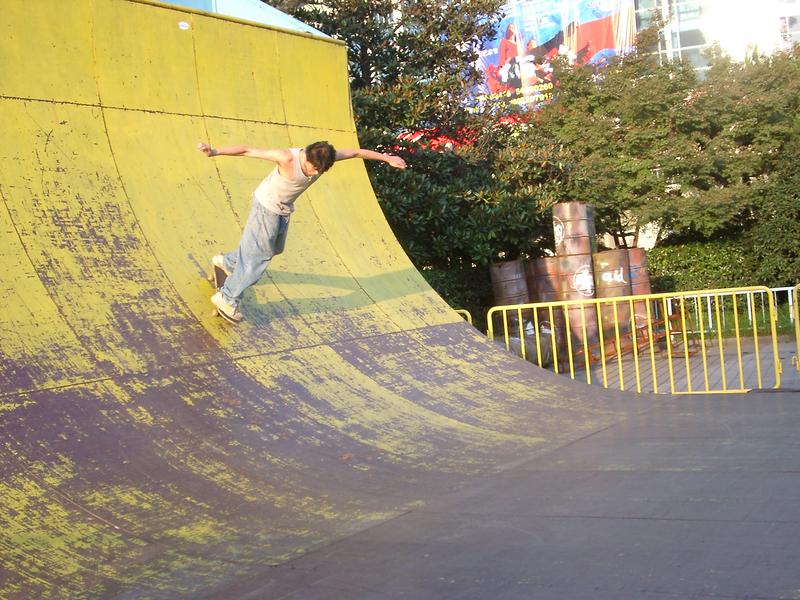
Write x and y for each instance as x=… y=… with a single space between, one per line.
x=396 y=162
x=205 y=149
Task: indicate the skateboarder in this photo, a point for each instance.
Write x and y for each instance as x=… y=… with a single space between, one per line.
x=264 y=234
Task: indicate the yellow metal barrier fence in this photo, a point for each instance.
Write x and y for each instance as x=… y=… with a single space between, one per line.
x=796 y=319
x=465 y=314
x=707 y=341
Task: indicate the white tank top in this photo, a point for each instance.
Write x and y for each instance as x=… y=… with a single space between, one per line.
x=277 y=193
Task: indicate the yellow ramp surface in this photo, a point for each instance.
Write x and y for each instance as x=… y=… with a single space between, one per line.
x=148 y=449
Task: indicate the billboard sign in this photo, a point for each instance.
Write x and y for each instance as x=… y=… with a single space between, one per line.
x=516 y=66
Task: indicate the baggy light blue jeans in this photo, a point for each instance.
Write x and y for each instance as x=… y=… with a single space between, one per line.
x=263 y=237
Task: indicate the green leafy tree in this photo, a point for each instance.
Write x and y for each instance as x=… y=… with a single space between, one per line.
x=708 y=161
x=772 y=237
x=741 y=183
x=410 y=61
x=739 y=121
x=619 y=127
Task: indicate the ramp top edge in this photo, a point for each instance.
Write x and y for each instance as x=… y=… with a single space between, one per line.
x=190 y=10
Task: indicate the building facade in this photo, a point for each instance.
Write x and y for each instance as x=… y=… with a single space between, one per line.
x=740 y=27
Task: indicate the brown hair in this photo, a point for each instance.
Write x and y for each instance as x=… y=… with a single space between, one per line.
x=321 y=154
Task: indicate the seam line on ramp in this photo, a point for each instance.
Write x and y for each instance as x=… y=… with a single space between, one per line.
x=165 y=112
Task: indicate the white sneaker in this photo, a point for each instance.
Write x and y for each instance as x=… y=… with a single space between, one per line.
x=219 y=261
x=226 y=309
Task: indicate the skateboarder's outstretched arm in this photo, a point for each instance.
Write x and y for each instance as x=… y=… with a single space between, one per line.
x=276 y=155
x=283 y=157
x=389 y=159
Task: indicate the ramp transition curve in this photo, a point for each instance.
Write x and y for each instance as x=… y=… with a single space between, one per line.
x=147 y=448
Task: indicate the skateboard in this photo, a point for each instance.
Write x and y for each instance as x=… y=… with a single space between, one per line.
x=217 y=279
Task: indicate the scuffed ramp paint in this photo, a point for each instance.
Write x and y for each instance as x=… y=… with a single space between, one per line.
x=149 y=449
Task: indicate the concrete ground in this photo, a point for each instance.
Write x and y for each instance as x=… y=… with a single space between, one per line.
x=698 y=497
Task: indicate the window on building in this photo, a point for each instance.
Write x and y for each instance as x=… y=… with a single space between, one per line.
x=688 y=11
x=643 y=20
x=694 y=56
x=692 y=37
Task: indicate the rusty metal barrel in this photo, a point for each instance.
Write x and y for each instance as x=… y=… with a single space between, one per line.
x=543 y=286
x=530 y=277
x=509 y=286
x=612 y=273
x=577 y=283
x=613 y=280
x=639 y=274
x=542 y=275
x=575 y=280
x=640 y=283
x=575 y=240
x=573 y=228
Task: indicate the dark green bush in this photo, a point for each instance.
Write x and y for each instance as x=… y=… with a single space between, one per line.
x=467 y=287
x=699 y=266
x=773 y=239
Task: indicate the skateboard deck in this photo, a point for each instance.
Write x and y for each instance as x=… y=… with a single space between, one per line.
x=217 y=279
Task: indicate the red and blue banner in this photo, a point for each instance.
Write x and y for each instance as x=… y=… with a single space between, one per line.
x=516 y=66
